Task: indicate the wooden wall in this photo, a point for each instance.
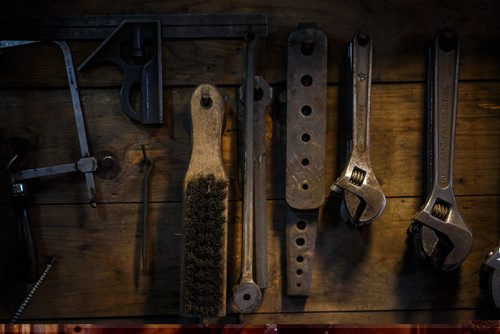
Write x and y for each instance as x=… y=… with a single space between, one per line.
x=361 y=276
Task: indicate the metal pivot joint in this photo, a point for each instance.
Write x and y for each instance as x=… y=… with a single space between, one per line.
x=305 y=151
x=440 y=233
x=363 y=198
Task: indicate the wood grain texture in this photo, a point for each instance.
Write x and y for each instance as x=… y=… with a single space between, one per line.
x=372 y=317
x=367 y=270
x=397 y=136
x=359 y=276
x=399 y=29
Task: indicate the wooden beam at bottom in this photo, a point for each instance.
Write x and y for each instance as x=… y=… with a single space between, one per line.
x=374 y=317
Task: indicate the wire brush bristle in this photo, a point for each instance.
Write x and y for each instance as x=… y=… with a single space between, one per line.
x=204 y=212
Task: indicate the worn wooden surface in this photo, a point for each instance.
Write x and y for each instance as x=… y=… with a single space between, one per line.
x=366 y=276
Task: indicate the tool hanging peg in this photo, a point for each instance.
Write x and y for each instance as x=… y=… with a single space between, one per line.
x=439 y=231
x=363 y=200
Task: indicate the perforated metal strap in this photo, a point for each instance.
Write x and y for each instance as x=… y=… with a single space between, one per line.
x=305 y=161
x=306 y=118
x=301 y=240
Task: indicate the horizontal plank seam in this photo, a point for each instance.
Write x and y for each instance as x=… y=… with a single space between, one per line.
x=230 y=201
x=175 y=316
x=234 y=85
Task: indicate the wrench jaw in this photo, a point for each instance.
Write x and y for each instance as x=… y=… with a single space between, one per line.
x=247 y=296
x=445 y=242
x=363 y=200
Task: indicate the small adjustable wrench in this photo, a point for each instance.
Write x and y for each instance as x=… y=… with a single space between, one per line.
x=439 y=231
x=363 y=199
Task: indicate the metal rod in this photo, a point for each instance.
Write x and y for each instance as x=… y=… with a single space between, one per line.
x=248 y=195
x=27 y=300
x=80 y=124
x=174 y=26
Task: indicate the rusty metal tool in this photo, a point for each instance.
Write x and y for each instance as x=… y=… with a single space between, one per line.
x=133 y=42
x=147 y=243
x=86 y=164
x=305 y=152
x=247 y=295
x=492 y=268
x=363 y=198
x=263 y=94
x=439 y=231
x=20 y=310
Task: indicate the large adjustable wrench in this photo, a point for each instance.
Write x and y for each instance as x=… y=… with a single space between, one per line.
x=439 y=231
x=363 y=199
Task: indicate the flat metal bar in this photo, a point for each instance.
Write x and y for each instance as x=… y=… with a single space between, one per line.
x=248 y=182
x=301 y=231
x=45 y=171
x=306 y=118
x=261 y=103
x=75 y=99
x=174 y=26
x=80 y=123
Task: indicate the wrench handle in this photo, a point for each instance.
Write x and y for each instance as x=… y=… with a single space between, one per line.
x=446 y=49
x=248 y=180
x=360 y=57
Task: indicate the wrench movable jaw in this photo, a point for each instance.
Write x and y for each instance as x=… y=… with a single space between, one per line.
x=363 y=198
x=445 y=242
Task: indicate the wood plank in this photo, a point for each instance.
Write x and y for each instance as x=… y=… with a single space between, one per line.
x=45 y=117
x=372 y=317
x=354 y=270
x=399 y=42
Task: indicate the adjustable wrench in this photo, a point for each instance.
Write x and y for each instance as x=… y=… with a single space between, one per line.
x=438 y=229
x=363 y=199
